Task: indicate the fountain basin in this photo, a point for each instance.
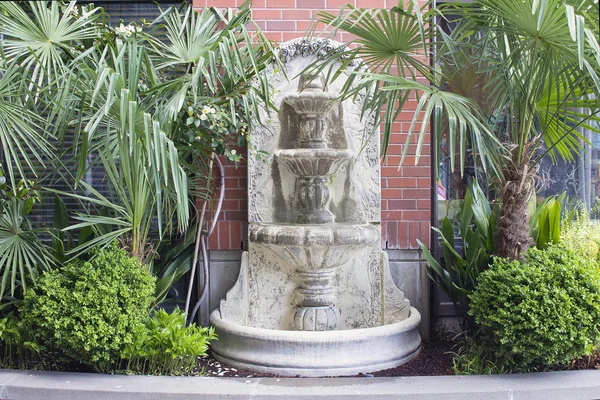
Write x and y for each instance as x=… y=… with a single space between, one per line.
x=311 y=354
x=314 y=235
x=313 y=162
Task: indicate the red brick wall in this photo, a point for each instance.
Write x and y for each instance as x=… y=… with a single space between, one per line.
x=406 y=192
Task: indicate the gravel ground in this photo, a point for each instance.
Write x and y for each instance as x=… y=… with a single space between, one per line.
x=434 y=359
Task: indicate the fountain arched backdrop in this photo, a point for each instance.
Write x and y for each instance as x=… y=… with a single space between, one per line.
x=314 y=296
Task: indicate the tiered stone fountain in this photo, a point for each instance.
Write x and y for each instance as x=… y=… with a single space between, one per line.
x=314 y=296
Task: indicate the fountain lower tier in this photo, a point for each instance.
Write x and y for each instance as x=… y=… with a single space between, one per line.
x=335 y=310
x=315 y=251
x=311 y=354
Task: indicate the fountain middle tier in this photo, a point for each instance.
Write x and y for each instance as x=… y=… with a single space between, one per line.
x=314 y=162
x=314 y=251
x=312 y=168
x=307 y=236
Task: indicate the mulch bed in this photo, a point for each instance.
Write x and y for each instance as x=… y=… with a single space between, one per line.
x=590 y=362
x=434 y=359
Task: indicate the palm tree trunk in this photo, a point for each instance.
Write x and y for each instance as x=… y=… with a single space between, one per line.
x=512 y=236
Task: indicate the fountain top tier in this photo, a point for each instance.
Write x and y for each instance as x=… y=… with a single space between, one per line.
x=313 y=162
x=312 y=102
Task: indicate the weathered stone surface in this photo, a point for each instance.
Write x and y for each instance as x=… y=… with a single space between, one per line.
x=406 y=267
x=315 y=293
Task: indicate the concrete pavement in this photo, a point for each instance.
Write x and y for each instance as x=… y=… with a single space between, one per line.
x=35 y=385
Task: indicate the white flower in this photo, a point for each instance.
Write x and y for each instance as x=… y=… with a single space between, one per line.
x=212 y=110
x=233 y=152
x=203 y=117
x=125 y=30
x=121 y=29
x=205 y=110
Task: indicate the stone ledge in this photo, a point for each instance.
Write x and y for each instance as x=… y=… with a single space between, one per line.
x=34 y=385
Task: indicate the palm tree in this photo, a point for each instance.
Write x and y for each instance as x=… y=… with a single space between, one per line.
x=542 y=61
x=539 y=62
x=395 y=65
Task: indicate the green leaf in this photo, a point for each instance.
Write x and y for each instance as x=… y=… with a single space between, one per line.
x=448 y=231
x=467 y=213
x=61 y=217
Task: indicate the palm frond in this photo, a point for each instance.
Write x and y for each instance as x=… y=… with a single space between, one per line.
x=23 y=257
x=218 y=56
x=542 y=59
x=393 y=46
x=46 y=40
x=22 y=140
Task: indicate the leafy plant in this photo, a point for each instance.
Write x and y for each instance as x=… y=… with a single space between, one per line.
x=90 y=310
x=40 y=41
x=22 y=142
x=16 y=349
x=23 y=256
x=172 y=264
x=540 y=311
x=46 y=40
x=459 y=273
x=474 y=358
x=581 y=235
x=135 y=106
x=164 y=345
x=222 y=59
x=214 y=101
x=545 y=223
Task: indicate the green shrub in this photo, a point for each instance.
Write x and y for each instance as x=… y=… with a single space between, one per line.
x=91 y=310
x=540 y=311
x=165 y=346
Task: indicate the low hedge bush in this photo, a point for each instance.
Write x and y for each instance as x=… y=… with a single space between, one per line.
x=539 y=311
x=582 y=236
x=165 y=346
x=91 y=310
